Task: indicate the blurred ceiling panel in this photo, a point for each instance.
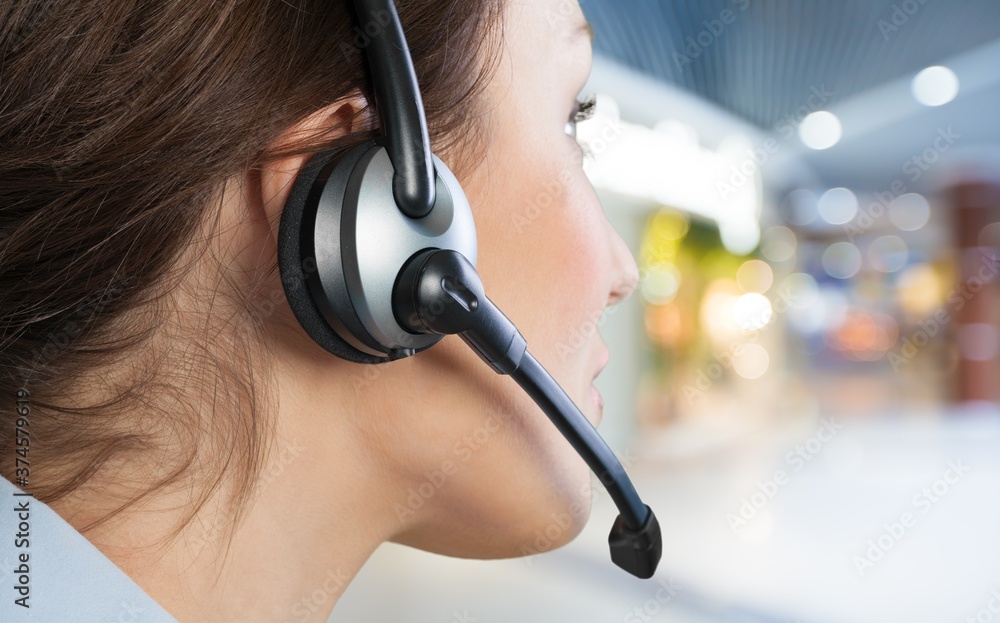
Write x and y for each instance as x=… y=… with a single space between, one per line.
x=762 y=59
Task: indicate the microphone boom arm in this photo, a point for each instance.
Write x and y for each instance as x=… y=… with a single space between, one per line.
x=439 y=291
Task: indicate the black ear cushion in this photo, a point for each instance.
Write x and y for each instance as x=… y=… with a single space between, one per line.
x=305 y=193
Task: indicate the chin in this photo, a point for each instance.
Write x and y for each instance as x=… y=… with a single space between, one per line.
x=560 y=526
x=513 y=523
x=525 y=492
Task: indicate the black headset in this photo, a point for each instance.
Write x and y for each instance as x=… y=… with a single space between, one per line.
x=377 y=253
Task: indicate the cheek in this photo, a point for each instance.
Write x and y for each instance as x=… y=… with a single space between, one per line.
x=576 y=251
x=548 y=237
x=544 y=250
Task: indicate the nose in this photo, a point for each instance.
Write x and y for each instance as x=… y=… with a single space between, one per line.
x=626 y=273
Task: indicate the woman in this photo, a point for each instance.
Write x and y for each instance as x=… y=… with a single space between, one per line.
x=179 y=417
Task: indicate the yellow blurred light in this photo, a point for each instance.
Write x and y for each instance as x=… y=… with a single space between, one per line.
x=661 y=241
x=669 y=225
x=717 y=310
x=920 y=290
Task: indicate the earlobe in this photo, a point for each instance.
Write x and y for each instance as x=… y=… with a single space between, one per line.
x=347 y=115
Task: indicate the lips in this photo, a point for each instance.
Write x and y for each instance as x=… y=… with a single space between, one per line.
x=597 y=398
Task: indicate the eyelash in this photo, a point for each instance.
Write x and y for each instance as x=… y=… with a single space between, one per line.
x=582 y=111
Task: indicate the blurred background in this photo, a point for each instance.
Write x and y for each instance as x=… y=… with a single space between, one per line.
x=805 y=386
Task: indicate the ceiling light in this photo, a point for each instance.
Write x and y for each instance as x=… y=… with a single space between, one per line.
x=820 y=130
x=935 y=86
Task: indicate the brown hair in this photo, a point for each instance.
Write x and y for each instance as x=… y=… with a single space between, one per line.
x=120 y=122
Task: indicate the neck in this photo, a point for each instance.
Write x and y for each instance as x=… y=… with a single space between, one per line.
x=311 y=524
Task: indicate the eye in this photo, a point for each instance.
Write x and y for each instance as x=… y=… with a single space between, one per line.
x=582 y=111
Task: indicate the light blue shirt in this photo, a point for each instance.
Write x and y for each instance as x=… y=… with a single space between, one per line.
x=67 y=578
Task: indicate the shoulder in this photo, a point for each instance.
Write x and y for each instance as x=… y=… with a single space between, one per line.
x=51 y=572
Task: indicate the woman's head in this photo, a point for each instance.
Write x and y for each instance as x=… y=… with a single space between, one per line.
x=551 y=261
x=147 y=152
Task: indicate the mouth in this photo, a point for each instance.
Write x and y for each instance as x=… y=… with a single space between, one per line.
x=598 y=401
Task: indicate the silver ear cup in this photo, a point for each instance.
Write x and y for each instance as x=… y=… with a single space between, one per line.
x=360 y=241
x=296 y=233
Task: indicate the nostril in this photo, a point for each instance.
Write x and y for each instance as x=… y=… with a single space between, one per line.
x=631 y=281
x=624 y=286
x=626 y=271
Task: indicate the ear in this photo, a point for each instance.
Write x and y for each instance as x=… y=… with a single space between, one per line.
x=346 y=115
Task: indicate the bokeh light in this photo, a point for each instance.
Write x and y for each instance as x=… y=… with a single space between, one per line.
x=909 y=212
x=865 y=337
x=919 y=290
x=752 y=311
x=669 y=225
x=660 y=283
x=978 y=341
x=664 y=324
x=838 y=206
x=778 y=244
x=888 y=254
x=717 y=315
x=841 y=260
x=752 y=361
x=825 y=313
x=989 y=236
x=755 y=276
x=935 y=86
x=799 y=290
x=820 y=130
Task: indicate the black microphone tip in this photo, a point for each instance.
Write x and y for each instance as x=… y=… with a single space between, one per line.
x=636 y=551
